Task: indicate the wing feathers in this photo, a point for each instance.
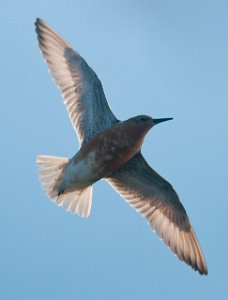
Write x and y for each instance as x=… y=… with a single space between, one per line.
x=156 y=200
x=81 y=89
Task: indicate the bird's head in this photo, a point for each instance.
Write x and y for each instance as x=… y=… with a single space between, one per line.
x=137 y=127
x=146 y=121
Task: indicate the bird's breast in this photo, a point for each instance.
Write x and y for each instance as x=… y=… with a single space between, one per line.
x=103 y=154
x=110 y=149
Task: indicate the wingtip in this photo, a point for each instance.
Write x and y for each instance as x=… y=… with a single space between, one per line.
x=37 y=23
x=38 y=20
x=203 y=271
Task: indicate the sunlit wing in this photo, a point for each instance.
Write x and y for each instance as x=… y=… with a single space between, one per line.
x=157 y=201
x=81 y=88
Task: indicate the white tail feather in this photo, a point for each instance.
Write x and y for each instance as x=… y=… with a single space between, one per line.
x=51 y=169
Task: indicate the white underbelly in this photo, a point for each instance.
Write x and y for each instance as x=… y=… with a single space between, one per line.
x=80 y=174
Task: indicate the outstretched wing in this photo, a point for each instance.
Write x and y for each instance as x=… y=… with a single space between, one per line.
x=156 y=200
x=81 y=88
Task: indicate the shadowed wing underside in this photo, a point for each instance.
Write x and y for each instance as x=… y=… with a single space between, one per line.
x=81 y=88
x=157 y=201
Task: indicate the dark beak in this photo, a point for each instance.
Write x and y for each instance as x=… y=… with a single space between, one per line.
x=156 y=121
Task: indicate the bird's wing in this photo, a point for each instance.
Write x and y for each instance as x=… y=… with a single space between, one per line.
x=81 y=88
x=156 y=200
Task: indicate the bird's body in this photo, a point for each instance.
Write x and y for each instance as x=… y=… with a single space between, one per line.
x=105 y=153
x=110 y=149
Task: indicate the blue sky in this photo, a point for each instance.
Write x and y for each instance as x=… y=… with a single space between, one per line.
x=161 y=58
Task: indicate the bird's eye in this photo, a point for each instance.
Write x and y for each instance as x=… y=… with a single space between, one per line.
x=143 y=118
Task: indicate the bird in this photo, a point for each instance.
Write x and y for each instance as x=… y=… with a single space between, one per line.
x=110 y=149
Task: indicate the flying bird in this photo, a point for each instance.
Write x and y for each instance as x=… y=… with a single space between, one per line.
x=109 y=149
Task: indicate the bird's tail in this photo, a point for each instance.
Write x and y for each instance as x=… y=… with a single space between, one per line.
x=51 y=169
